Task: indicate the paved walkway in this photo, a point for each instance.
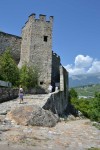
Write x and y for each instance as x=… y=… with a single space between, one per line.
x=39 y=100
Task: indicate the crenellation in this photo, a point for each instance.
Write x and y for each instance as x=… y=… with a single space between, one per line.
x=33 y=14
x=51 y=19
x=55 y=54
x=31 y=17
x=42 y=17
x=37 y=20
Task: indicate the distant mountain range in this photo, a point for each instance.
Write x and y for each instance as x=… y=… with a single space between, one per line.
x=85 y=79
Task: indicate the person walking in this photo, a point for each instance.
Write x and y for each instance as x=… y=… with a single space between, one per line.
x=50 y=88
x=21 y=94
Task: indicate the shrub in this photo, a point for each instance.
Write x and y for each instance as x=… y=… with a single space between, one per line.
x=28 y=76
x=8 y=68
x=89 y=107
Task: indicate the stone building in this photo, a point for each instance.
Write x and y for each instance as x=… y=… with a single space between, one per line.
x=35 y=47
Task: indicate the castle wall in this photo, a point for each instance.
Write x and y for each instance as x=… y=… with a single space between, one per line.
x=36 y=47
x=64 y=81
x=56 y=102
x=10 y=41
x=55 y=69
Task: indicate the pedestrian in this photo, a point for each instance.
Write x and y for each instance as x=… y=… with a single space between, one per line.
x=50 y=88
x=56 y=89
x=21 y=94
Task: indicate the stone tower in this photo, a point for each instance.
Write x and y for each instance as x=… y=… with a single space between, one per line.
x=36 y=47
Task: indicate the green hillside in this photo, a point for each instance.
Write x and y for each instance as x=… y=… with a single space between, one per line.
x=88 y=90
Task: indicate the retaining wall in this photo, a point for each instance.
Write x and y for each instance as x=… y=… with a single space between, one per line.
x=8 y=94
x=56 y=102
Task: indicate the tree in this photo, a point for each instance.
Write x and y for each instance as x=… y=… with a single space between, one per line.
x=73 y=93
x=28 y=76
x=94 y=111
x=8 y=68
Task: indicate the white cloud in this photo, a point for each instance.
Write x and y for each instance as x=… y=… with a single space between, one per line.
x=83 y=65
x=95 y=67
x=83 y=61
x=74 y=70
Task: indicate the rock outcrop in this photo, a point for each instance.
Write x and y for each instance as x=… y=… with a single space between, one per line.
x=32 y=115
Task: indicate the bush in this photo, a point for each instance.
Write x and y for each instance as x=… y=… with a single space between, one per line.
x=8 y=68
x=89 y=107
x=94 y=111
x=28 y=76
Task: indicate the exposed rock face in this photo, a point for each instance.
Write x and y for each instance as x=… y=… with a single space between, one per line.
x=32 y=115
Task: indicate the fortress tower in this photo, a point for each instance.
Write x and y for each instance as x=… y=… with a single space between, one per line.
x=36 y=47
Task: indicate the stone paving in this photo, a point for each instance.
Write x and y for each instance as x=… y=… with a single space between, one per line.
x=39 y=100
x=69 y=135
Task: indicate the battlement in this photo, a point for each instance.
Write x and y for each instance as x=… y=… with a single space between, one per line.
x=32 y=17
x=54 y=54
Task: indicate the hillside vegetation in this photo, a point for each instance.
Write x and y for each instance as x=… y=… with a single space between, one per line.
x=88 y=90
x=89 y=107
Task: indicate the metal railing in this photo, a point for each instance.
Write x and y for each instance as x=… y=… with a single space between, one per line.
x=5 y=84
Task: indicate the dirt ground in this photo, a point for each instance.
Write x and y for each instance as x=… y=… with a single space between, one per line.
x=70 y=135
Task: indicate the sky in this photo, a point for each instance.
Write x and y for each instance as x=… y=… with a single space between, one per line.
x=76 y=29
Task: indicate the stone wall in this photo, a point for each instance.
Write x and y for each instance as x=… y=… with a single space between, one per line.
x=55 y=68
x=8 y=94
x=57 y=102
x=36 y=47
x=12 y=42
x=64 y=85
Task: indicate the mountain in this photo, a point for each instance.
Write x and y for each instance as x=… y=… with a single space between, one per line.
x=84 y=79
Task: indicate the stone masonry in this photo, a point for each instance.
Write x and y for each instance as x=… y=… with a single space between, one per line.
x=36 y=47
x=12 y=42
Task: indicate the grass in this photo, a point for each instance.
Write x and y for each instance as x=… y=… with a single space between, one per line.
x=96 y=125
x=93 y=148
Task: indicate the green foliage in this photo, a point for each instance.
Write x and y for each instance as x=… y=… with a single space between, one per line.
x=89 y=107
x=88 y=90
x=94 y=111
x=93 y=148
x=97 y=125
x=28 y=76
x=73 y=93
x=82 y=105
x=8 y=68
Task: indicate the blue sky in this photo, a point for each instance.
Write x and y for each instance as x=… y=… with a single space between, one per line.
x=76 y=29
